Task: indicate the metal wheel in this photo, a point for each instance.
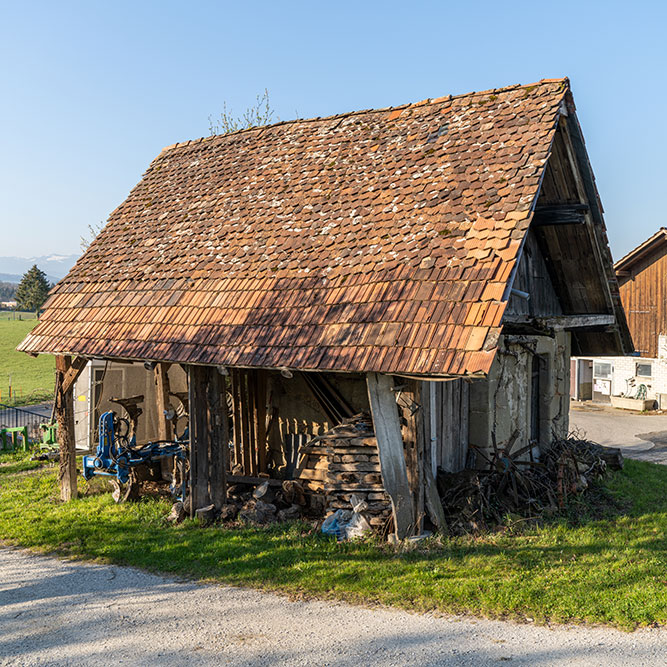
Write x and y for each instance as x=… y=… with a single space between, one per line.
x=125 y=491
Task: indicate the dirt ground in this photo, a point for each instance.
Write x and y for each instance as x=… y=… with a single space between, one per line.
x=640 y=436
x=56 y=612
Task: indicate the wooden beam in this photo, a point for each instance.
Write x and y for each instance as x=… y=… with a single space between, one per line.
x=199 y=495
x=73 y=372
x=390 y=445
x=164 y=425
x=64 y=407
x=209 y=438
x=260 y=421
x=218 y=435
x=567 y=214
x=433 y=502
x=563 y=322
x=236 y=405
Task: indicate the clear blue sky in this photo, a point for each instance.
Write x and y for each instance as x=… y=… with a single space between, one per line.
x=91 y=91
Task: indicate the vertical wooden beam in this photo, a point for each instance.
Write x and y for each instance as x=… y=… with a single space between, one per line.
x=260 y=420
x=236 y=401
x=390 y=445
x=245 y=424
x=164 y=425
x=199 y=439
x=64 y=404
x=464 y=424
x=251 y=398
x=419 y=397
x=218 y=432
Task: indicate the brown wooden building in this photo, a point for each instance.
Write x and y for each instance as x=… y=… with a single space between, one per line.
x=642 y=279
x=422 y=264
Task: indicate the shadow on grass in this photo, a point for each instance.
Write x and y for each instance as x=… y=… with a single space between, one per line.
x=608 y=570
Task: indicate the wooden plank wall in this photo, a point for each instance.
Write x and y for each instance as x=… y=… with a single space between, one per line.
x=644 y=300
x=249 y=398
x=447 y=446
x=532 y=276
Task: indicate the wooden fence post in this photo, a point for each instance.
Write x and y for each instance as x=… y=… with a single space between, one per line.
x=387 y=429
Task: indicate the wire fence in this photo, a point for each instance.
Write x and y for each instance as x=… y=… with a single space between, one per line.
x=12 y=418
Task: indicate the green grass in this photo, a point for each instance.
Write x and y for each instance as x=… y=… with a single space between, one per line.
x=610 y=571
x=31 y=378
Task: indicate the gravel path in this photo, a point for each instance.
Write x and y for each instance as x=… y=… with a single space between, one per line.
x=642 y=437
x=56 y=612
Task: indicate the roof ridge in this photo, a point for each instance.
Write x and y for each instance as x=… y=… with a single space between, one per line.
x=637 y=251
x=347 y=114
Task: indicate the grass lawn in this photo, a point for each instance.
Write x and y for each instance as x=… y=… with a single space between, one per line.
x=32 y=378
x=611 y=571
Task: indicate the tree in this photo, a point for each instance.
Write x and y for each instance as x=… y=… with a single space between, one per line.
x=93 y=231
x=257 y=115
x=32 y=290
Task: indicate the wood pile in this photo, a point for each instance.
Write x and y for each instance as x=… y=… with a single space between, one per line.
x=344 y=462
x=476 y=500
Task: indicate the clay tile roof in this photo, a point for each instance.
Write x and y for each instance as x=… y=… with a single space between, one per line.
x=375 y=240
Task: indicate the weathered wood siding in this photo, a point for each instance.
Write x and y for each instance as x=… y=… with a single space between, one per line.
x=532 y=276
x=643 y=295
x=446 y=424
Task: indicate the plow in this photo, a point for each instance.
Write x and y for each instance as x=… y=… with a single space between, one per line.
x=126 y=463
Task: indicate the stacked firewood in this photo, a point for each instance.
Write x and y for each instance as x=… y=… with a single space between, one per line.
x=344 y=462
x=516 y=485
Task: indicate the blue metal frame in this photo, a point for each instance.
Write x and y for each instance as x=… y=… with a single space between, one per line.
x=113 y=459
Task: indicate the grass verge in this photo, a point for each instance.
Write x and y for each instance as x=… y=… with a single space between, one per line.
x=609 y=570
x=31 y=378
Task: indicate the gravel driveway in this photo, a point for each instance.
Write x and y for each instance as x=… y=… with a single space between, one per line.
x=640 y=436
x=56 y=612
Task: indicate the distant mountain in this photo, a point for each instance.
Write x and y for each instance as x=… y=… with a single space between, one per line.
x=55 y=266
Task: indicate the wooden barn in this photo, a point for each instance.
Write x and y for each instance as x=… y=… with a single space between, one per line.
x=353 y=301
x=643 y=288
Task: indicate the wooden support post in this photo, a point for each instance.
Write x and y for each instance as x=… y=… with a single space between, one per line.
x=209 y=438
x=218 y=430
x=164 y=425
x=199 y=439
x=390 y=445
x=248 y=467
x=236 y=402
x=260 y=420
x=66 y=374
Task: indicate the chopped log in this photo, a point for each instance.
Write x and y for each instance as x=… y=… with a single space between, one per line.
x=263 y=492
x=246 y=479
x=229 y=512
x=612 y=456
x=292 y=513
x=206 y=515
x=177 y=513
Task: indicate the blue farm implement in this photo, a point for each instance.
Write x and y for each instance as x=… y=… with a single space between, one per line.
x=118 y=456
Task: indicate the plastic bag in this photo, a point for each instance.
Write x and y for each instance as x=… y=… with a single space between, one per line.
x=336 y=523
